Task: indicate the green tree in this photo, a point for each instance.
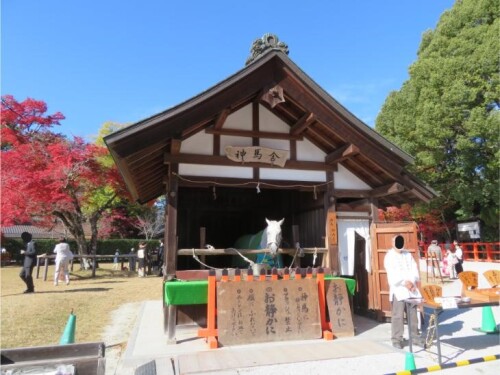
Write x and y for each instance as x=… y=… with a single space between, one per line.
x=447 y=114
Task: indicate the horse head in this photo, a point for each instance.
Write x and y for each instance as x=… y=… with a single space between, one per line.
x=273 y=235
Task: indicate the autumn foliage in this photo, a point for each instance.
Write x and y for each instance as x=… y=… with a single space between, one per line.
x=431 y=224
x=47 y=176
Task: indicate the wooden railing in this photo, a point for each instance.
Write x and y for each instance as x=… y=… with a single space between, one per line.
x=91 y=259
x=475 y=251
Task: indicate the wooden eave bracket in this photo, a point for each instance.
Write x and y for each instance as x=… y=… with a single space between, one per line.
x=175 y=146
x=303 y=123
x=221 y=119
x=341 y=154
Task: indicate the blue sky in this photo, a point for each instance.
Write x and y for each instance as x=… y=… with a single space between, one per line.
x=125 y=60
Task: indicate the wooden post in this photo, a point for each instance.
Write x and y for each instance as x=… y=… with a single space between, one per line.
x=295 y=239
x=262 y=276
x=94 y=265
x=170 y=241
x=286 y=274
x=298 y=273
x=331 y=258
x=211 y=331
x=171 y=324
x=325 y=326
x=237 y=274
x=171 y=227
x=274 y=274
x=37 y=267
x=46 y=265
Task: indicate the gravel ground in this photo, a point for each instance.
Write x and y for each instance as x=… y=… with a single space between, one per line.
x=117 y=334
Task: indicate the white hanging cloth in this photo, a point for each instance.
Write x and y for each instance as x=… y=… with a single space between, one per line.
x=347 y=230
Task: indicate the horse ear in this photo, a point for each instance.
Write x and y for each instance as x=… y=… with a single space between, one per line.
x=281 y=221
x=268 y=222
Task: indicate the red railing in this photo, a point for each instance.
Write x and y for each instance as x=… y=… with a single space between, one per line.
x=474 y=251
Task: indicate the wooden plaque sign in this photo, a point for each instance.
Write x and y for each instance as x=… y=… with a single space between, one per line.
x=265 y=311
x=484 y=295
x=257 y=154
x=331 y=228
x=339 y=309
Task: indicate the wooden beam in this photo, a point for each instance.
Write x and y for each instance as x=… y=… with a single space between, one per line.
x=361 y=205
x=254 y=134
x=390 y=189
x=341 y=154
x=224 y=161
x=351 y=193
x=303 y=123
x=221 y=119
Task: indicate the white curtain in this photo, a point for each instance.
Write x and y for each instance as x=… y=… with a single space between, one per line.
x=346 y=237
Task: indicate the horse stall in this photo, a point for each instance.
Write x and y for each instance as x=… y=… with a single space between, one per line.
x=266 y=143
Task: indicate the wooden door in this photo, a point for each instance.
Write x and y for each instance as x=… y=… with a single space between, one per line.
x=381 y=238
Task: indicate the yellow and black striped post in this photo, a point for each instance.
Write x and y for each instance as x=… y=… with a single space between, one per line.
x=465 y=362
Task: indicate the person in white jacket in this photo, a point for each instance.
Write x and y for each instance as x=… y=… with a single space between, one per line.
x=63 y=257
x=403 y=278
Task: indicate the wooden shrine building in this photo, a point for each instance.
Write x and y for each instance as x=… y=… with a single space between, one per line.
x=269 y=142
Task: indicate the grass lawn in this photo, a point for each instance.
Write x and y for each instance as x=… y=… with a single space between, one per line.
x=39 y=318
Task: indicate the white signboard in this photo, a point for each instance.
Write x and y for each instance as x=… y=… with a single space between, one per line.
x=471 y=228
x=257 y=154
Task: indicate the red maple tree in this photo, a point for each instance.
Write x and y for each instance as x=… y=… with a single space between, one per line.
x=47 y=176
x=431 y=223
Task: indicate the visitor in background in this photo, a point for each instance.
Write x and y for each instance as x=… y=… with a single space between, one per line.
x=132 y=260
x=141 y=259
x=435 y=249
x=451 y=260
x=403 y=278
x=63 y=257
x=460 y=258
x=434 y=252
x=116 y=260
x=29 y=262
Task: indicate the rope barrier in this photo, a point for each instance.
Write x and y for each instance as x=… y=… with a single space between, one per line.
x=256 y=183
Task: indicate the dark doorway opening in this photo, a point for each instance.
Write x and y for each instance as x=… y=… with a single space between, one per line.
x=360 y=299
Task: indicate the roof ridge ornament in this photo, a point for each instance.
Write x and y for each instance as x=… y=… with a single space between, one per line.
x=265 y=44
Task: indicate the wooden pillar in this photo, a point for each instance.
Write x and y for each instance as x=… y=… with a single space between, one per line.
x=372 y=276
x=295 y=239
x=374 y=210
x=331 y=258
x=171 y=223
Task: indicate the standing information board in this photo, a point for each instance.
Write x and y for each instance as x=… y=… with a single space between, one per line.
x=266 y=311
x=339 y=309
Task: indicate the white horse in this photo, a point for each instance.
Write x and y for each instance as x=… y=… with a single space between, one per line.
x=269 y=239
